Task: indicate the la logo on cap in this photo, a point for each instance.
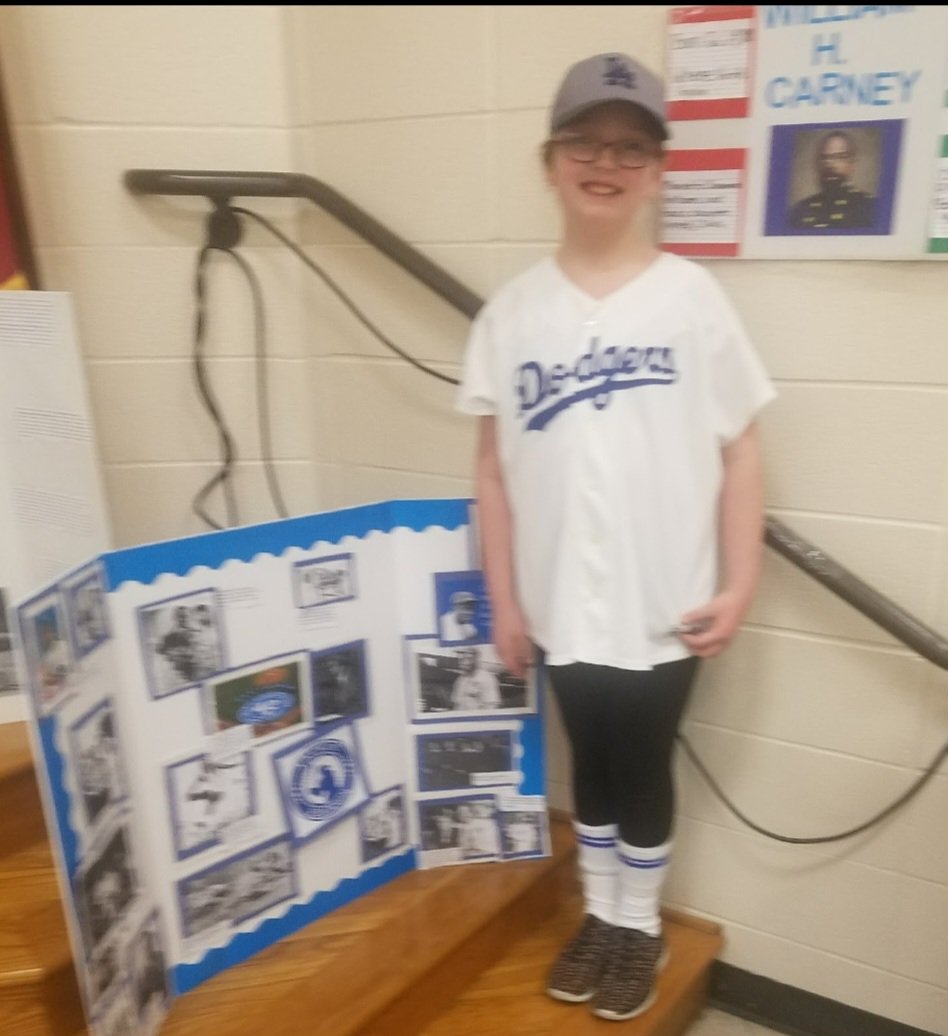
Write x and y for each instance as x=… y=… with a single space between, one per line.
x=618 y=73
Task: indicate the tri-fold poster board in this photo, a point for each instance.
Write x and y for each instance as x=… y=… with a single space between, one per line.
x=238 y=732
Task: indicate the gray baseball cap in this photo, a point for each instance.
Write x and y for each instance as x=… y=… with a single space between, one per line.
x=609 y=77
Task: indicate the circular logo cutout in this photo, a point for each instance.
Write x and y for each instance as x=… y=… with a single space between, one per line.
x=267 y=707
x=322 y=780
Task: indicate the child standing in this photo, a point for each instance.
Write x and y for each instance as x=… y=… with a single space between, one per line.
x=620 y=495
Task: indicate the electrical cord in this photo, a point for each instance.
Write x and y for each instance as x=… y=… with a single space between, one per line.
x=343 y=297
x=263 y=403
x=913 y=790
x=223 y=475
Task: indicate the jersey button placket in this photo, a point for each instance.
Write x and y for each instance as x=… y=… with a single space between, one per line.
x=592 y=550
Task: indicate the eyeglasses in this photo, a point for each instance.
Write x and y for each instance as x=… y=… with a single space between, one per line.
x=629 y=154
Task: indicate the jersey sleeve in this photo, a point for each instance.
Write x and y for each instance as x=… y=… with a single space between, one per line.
x=740 y=385
x=477 y=393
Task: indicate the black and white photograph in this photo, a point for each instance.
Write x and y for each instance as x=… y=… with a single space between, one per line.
x=49 y=660
x=206 y=797
x=463 y=608
x=326 y=580
x=148 y=973
x=105 y=887
x=8 y=678
x=87 y=611
x=457 y=761
x=117 y=1016
x=182 y=642
x=382 y=824
x=468 y=826
x=523 y=832
x=340 y=683
x=271 y=697
x=97 y=757
x=237 y=888
x=465 y=682
x=105 y=966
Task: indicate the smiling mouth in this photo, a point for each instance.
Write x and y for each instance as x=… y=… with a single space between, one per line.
x=601 y=190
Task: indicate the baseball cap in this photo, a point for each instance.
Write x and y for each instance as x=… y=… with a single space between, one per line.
x=609 y=77
x=462 y=597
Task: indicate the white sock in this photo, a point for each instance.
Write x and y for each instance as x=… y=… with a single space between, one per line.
x=598 y=868
x=641 y=876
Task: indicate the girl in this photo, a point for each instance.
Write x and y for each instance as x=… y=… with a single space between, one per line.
x=620 y=495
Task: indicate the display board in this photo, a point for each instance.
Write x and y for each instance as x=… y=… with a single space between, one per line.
x=239 y=732
x=807 y=131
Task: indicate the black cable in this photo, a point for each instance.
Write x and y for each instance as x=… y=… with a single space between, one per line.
x=263 y=403
x=222 y=476
x=350 y=305
x=891 y=808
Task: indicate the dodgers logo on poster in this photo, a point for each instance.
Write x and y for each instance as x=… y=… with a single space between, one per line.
x=267 y=707
x=322 y=780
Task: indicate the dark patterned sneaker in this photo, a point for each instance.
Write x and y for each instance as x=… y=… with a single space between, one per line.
x=627 y=986
x=576 y=972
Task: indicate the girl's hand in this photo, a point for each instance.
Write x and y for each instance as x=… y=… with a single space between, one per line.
x=714 y=624
x=513 y=645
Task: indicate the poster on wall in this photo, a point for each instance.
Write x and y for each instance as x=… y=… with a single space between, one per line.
x=52 y=512
x=237 y=732
x=807 y=131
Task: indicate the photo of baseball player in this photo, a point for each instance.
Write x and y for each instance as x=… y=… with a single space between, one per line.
x=145 y=962
x=522 y=832
x=206 y=796
x=462 y=608
x=106 y=887
x=325 y=580
x=340 y=687
x=237 y=888
x=466 y=826
x=48 y=655
x=382 y=824
x=8 y=678
x=464 y=681
x=99 y=769
x=117 y=1016
x=86 y=608
x=449 y=762
x=181 y=642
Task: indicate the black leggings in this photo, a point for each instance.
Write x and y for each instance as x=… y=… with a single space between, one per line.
x=621 y=725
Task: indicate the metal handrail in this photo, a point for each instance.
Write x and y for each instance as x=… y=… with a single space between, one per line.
x=222 y=185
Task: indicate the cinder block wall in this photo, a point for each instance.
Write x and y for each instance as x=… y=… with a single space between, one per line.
x=430 y=118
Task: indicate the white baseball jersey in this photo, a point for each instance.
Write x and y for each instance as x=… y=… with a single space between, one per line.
x=611 y=414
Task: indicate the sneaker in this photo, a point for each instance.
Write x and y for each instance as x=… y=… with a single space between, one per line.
x=575 y=974
x=627 y=986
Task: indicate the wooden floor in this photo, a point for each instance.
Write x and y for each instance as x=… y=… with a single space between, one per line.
x=455 y=951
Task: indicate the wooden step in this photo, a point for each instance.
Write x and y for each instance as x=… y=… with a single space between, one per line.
x=388 y=963
x=23 y=823
x=454 y=951
x=39 y=994
x=509 y=996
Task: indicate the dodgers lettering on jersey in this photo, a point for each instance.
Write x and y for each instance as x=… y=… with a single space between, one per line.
x=543 y=392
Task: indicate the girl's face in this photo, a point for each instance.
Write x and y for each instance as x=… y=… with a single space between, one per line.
x=605 y=185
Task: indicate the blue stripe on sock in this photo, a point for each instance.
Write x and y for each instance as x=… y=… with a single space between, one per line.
x=597 y=843
x=644 y=864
